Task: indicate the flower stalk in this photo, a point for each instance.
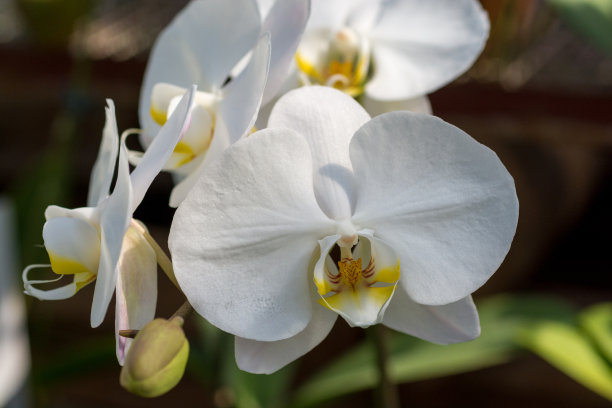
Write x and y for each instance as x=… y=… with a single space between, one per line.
x=163 y=260
x=386 y=394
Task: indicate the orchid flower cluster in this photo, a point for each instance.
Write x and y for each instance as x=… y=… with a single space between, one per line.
x=320 y=210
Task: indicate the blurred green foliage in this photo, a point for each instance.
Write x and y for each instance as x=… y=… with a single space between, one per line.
x=502 y=319
x=590 y=18
x=580 y=351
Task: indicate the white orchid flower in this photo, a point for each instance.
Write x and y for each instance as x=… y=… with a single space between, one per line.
x=102 y=242
x=394 y=220
x=397 y=50
x=203 y=45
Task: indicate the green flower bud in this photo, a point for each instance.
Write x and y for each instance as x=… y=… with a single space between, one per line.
x=156 y=360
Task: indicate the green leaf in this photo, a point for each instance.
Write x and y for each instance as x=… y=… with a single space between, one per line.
x=413 y=359
x=591 y=18
x=597 y=323
x=568 y=349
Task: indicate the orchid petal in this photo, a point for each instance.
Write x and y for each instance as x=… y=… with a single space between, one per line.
x=160 y=150
x=136 y=292
x=291 y=82
x=104 y=167
x=73 y=245
x=419 y=46
x=445 y=324
x=420 y=104
x=285 y=20
x=87 y=214
x=243 y=263
x=327 y=119
x=115 y=216
x=264 y=7
x=443 y=201
x=333 y=14
x=220 y=141
x=197 y=48
x=266 y=357
x=242 y=96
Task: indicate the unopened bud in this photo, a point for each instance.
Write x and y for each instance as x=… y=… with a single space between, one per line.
x=157 y=358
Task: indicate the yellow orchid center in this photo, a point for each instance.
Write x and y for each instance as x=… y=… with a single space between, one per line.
x=338 y=59
x=358 y=293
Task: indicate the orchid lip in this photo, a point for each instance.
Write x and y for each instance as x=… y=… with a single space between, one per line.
x=360 y=283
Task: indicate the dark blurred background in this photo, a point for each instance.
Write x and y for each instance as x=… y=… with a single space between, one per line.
x=540 y=96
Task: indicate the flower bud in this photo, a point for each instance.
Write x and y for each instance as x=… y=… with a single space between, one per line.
x=156 y=359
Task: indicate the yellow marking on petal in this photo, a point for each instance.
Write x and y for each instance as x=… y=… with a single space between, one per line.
x=344 y=301
x=334 y=302
x=82 y=279
x=361 y=71
x=323 y=287
x=381 y=294
x=64 y=266
x=354 y=90
x=307 y=68
x=158 y=116
x=389 y=274
x=183 y=149
x=343 y=68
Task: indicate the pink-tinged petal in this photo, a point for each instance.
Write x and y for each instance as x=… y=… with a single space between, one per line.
x=266 y=357
x=136 y=292
x=160 y=150
x=116 y=213
x=104 y=167
x=327 y=119
x=444 y=324
x=420 y=46
x=198 y=48
x=242 y=96
x=285 y=20
x=243 y=238
x=444 y=202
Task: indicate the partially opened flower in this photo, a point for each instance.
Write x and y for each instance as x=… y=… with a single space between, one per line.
x=217 y=45
x=394 y=220
x=101 y=242
x=390 y=50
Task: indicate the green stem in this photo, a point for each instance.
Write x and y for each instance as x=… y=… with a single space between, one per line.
x=386 y=391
